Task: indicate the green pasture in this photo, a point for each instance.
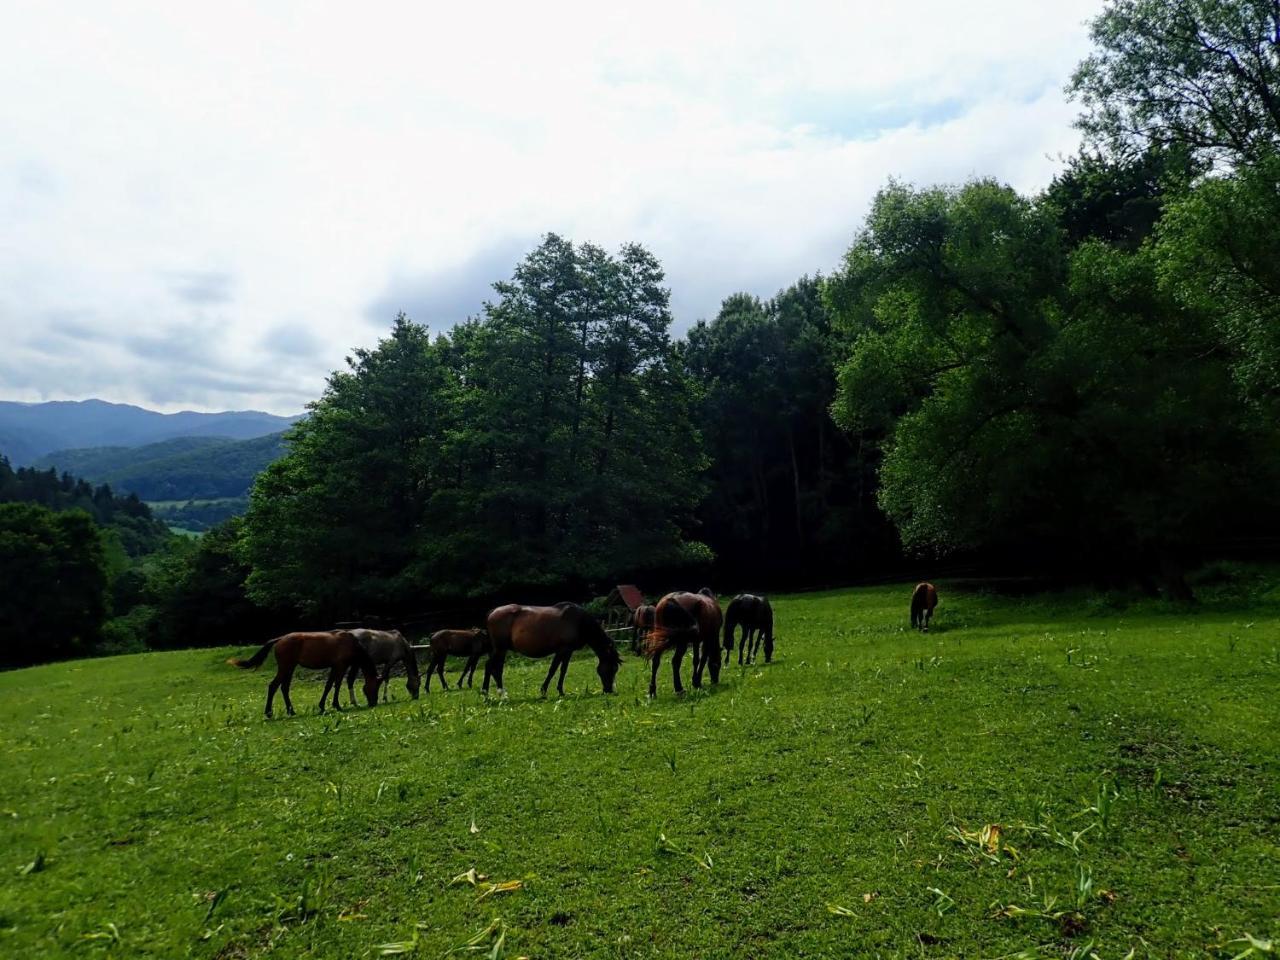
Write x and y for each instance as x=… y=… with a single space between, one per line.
x=1050 y=776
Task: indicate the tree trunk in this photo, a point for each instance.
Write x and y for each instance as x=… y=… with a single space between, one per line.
x=795 y=483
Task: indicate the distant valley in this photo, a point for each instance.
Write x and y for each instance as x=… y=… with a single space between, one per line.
x=194 y=468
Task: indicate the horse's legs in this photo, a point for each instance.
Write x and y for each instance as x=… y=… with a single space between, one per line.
x=493 y=669
x=700 y=657
x=271 y=692
x=337 y=687
x=564 y=668
x=351 y=683
x=384 y=683
x=325 y=696
x=284 y=691
x=676 y=659
x=469 y=671
x=653 y=677
x=438 y=667
x=744 y=646
x=555 y=662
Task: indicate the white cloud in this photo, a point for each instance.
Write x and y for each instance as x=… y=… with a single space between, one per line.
x=225 y=193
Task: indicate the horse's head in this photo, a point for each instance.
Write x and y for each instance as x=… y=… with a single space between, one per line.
x=608 y=666
x=371 y=687
x=415 y=684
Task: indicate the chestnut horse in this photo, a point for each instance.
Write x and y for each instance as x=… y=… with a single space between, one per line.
x=332 y=650
x=386 y=648
x=755 y=616
x=923 y=599
x=472 y=644
x=682 y=620
x=548 y=631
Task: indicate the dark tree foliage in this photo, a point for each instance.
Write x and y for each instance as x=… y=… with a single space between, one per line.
x=1118 y=200
x=791 y=499
x=548 y=442
x=53 y=568
x=139 y=533
x=200 y=597
x=1203 y=74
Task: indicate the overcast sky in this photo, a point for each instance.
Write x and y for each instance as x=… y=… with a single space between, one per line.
x=205 y=206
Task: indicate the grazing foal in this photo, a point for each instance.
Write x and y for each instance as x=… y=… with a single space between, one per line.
x=386 y=648
x=472 y=644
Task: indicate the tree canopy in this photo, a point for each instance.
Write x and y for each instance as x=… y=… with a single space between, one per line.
x=1200 y=73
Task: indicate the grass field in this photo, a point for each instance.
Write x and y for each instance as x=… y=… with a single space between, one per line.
x=1036 y=777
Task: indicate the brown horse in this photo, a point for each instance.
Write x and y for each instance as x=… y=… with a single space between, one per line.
x=755 y=616
x=641 y=623
x=548 y=631
x=333 y=650
x=682 y=620
x=472 y=644
x=923 y=599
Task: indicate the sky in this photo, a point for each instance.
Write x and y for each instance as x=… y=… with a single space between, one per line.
x=207 y=206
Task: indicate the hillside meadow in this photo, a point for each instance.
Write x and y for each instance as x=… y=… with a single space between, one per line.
x=1047 y=776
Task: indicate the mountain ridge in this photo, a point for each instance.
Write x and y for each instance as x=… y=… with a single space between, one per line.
x=29 y=431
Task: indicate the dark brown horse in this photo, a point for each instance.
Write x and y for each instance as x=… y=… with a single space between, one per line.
x=332 y=650
x=548 y=631
x=472 y=644
x=923 y=599
x=755 y=616
x=641 y=624
x=386 y=648
x=681 y=621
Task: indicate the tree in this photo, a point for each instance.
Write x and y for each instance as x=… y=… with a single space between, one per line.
x=331 y=526
x=1217 y=248
x=53 y=567
x=547 y=442
x=1204 y=74
x=200 y=598
x=1034 y=396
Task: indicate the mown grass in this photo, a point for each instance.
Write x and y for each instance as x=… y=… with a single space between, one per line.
x=1034 y=777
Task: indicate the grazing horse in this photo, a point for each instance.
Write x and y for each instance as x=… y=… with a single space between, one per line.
x=683 y=620
x=641 y=623
x=332 y=650
x=548 y=631
x=386 y=648
x=755 y=616
x=923 y=599
x=472 y=644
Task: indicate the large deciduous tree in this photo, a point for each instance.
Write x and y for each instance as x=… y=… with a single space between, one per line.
x=1038 y=395
x=1199 y=73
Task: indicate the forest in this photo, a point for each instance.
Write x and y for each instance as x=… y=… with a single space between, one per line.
x=1080 y=383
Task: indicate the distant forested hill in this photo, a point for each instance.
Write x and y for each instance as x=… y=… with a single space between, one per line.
x=184 y=468
x=29 y=431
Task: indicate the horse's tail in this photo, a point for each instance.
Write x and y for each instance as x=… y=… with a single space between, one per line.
x=731 y=615
x=671 y=624
x=256 y=659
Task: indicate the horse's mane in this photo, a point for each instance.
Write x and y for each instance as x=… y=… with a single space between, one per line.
x=591 y=630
